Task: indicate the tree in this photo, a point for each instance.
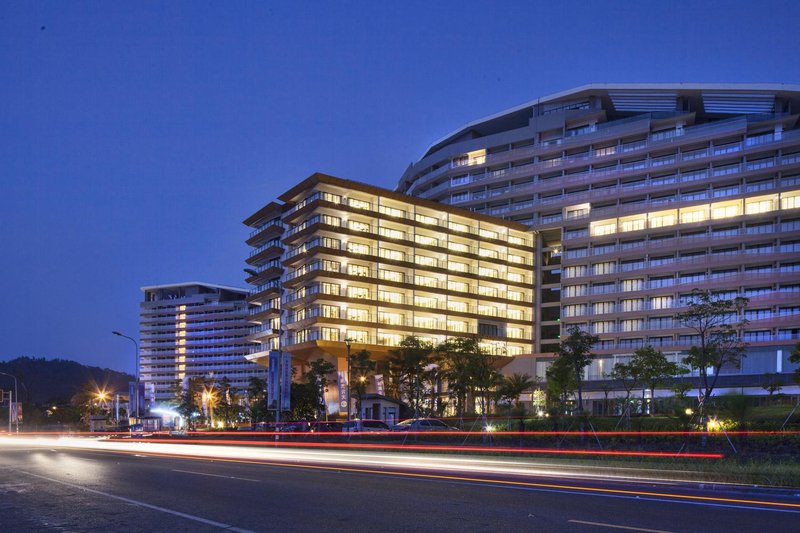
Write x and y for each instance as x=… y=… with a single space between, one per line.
x=794 y=357
x=189 y=400
x=576 y=351
x=514 y=385
x=360 y=368
x=408 y=369
x=227 y=402
x=772 y=383
x=653 y=370
x=317 y=377
x=484 y=379
x=257 y=400
x=717 y=325
x=629 y=376
x=560 y=381
x=453 y=358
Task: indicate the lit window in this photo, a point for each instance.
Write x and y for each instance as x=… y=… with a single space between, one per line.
x=424 y=301
x=425 y=281
x=391 y=211
x=515 y=333
x=516 y=314
x=392 y=255
x=515 y=240
x=487 y=272
x=457 y=247
x=357 y=314
x=790 y=200
x=515 y=277
x=455 y=226
x=725 y=211
x=425 y=219
x=515 y=295
x=392 y=319
x=687 y=217
x=356 y=248
x=487 y=291
x=633 y=225
x=329 y=311
x=361 y=293
x=425 y=322
x=358 y=270
x=484 y=252
x=390 y=297
x=392 y=233
x=459 y=286
x=425 y=240
x=489 y=234
x=457 y=267
x=605 y=227
x=327 y=288
x=458 y=307
x=361 y=337
x=358 y=226
x=358 y=204
x=390 y=275
x=488 y=310
x=458 y=326
x=424 y=260
x=515 y=258
x=389 y=339
x=658 y=221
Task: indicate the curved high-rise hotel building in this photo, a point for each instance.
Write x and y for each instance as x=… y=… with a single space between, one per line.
x=638 y=194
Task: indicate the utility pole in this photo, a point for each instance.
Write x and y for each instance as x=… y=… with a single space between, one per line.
x=134 y=402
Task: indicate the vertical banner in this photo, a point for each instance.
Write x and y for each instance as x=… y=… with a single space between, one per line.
x=379 y=386
x=16 y=413
x=272 y=379
x=343 y=407
x=286 y=381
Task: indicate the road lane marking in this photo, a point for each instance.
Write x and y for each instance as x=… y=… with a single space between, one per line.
x=711 y=501
x=216 y=475
x=142 y=504
x=615 y=526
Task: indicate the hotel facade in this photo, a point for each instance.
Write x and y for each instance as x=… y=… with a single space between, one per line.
x=334 y=259
x=191 y=330
x=637 y=194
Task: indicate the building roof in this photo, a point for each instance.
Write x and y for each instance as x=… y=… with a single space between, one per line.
x=193 y=283
x=318 y=177
x=610 y=88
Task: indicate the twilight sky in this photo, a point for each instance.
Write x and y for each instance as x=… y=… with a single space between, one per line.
x=137 y=136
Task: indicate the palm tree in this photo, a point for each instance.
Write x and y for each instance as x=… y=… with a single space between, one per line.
x=512 y=388
x=361 y=366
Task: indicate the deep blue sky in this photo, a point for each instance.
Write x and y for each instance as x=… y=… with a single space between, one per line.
x=136 y=137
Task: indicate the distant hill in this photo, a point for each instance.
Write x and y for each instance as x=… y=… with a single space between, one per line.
x=58 y=379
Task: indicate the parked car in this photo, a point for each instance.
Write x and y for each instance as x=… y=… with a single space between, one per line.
x=326 y=427
x=422 y=424
x=364 y=425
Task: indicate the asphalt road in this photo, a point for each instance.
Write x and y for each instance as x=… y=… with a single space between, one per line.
x=45 y=489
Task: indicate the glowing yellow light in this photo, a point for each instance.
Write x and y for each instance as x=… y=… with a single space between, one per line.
x=689 y=411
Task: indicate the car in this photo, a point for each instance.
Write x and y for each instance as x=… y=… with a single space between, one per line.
x=422 y=424
x=326 y=427
x=358 y=426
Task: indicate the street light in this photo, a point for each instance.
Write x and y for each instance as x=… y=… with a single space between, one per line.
x=16 y=397
x=136 y=359
x=348 y=343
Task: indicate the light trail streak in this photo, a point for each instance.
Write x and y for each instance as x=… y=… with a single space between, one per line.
x=439 y=447
x=447 y=468
x=630 y=433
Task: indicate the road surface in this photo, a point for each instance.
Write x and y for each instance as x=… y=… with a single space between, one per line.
x=65 y=488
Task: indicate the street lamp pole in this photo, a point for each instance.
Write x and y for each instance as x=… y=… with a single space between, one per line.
x=16 y=397
x=348 y=343
x=136 y=393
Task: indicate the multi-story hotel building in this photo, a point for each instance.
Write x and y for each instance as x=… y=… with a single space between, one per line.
x=193 y=330
x=638 y=194
x=334 y=259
